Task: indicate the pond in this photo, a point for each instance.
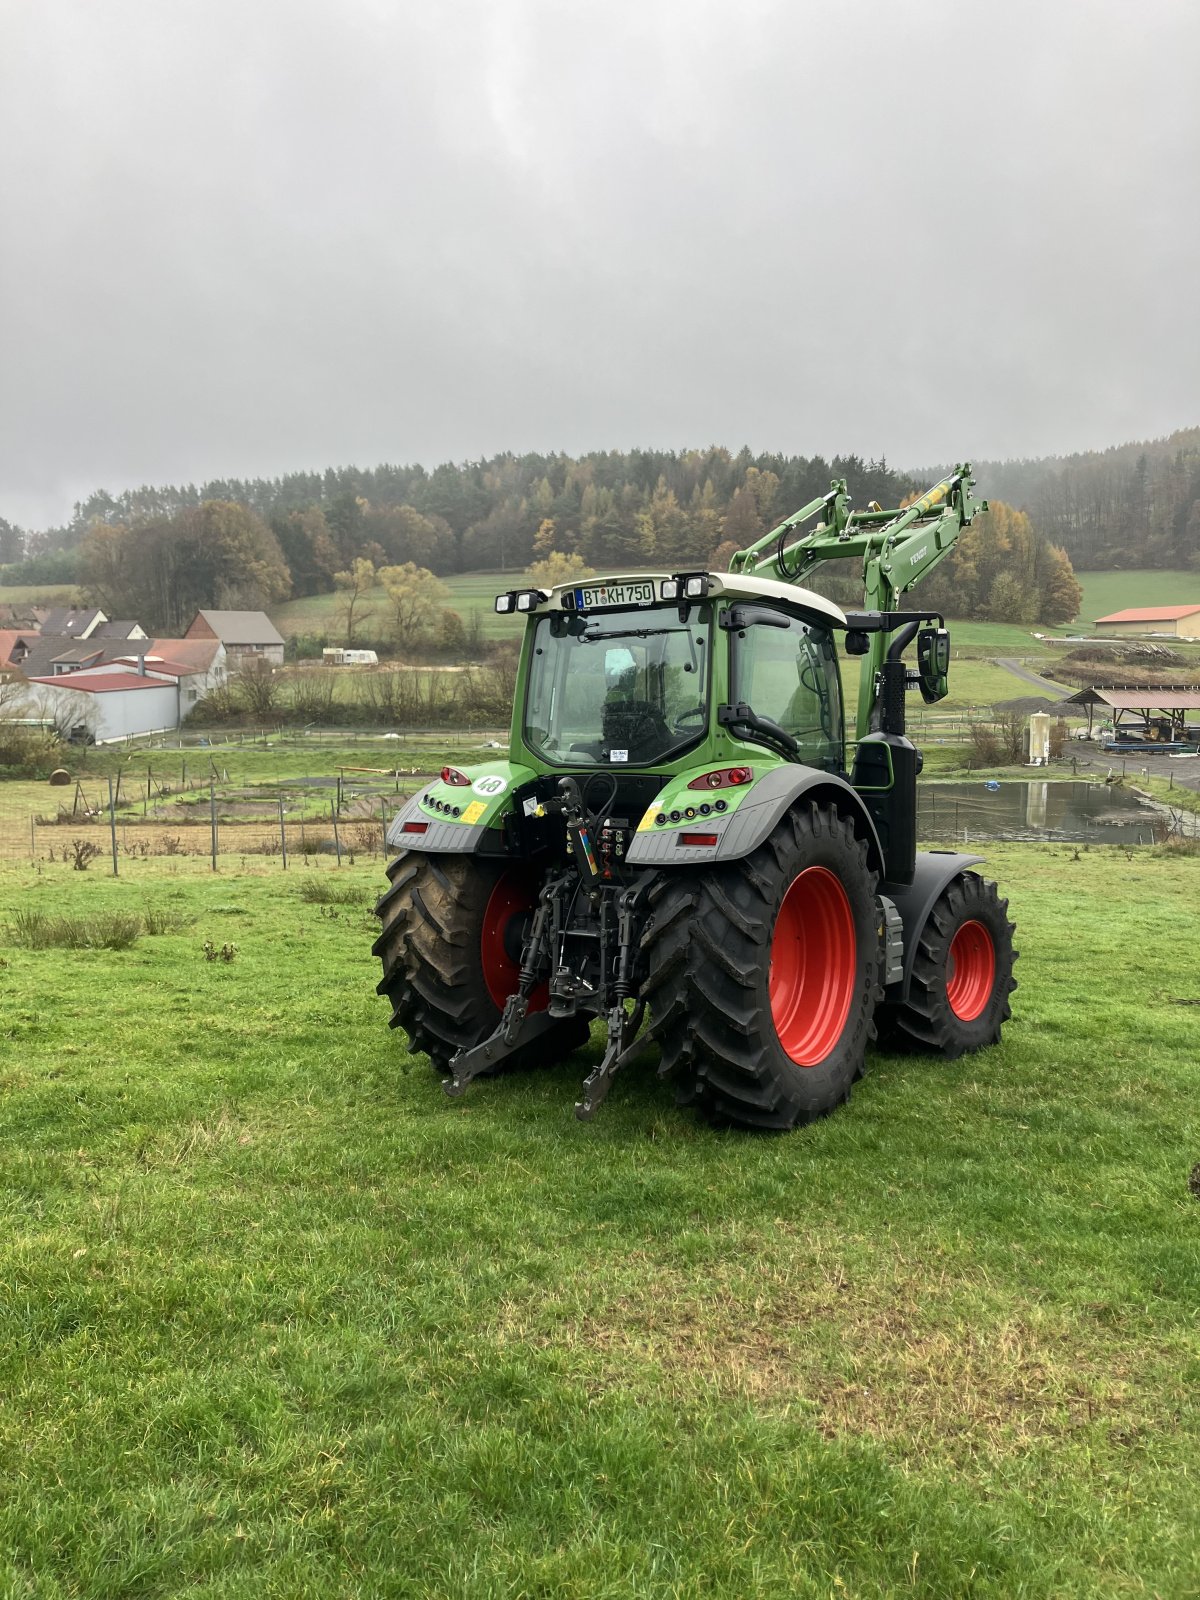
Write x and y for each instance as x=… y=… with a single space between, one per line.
x=1039 y=808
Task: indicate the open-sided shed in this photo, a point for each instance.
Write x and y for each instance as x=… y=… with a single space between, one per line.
x=1153 y=705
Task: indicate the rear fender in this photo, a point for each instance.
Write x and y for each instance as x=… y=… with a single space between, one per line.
x=757 y=813
x=424 y=822
x=935 y=871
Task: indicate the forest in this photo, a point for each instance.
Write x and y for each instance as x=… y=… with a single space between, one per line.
x=160 y=551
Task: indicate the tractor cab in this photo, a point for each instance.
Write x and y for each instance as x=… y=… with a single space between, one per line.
x=639 y=673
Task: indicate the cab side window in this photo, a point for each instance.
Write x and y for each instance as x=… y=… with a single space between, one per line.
x=790 y=675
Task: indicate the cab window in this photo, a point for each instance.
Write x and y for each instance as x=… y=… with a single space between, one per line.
x=786 y=670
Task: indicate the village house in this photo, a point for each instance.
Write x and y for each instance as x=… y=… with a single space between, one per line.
x=248 y=636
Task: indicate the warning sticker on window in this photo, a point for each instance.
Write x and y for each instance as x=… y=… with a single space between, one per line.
x=618 y=755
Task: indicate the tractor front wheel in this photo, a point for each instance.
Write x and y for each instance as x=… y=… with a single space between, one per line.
x=453 y=928
x=763 y=975
x=962 y=974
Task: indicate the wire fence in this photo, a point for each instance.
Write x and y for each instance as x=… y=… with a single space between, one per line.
x=119 y=822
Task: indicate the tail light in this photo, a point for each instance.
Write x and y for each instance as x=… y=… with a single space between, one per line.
x=457 y=779
x=415 y=827
x=703 y=840
x=723 y=778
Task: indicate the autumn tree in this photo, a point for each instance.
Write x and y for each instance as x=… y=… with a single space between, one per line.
x=544 y=539
x=742 y=523
x=558 y=568
x=415 y=597
x=308 y=549
x=1059 y=592
x=404 y=534
x=162 y=571
x=354 y=584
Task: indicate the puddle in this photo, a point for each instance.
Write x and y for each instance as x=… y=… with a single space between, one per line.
x=1039 y=808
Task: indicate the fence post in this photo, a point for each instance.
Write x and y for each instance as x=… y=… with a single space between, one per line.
x=32 y=837
x=382 y=824
x=282 y=832
x=212 y=810
x=112 y=822
x=337 y=840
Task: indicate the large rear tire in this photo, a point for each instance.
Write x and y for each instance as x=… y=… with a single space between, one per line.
x=962 y=974
x=451 y=949
x=763 y=975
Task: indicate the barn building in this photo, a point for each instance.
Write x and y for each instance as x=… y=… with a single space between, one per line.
x=248 y=636
x=1180 y=622
x=109 y=704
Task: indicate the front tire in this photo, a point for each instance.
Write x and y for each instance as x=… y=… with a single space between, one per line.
x=962 y=974
x=451 y=949
x=763 y=974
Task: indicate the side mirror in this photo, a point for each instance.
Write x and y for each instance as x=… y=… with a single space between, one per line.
x=933 y=663
x=857 y=643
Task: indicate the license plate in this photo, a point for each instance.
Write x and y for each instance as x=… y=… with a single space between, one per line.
x=614 y=594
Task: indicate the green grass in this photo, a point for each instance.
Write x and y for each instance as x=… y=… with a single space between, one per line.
x=1105 y=592
x=39 y=594
x=469 y=591
x=281 y=1319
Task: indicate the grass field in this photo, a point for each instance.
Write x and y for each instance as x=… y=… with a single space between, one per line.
x=1105 y=592
x=281 y=1319
x=41 y=594
x=469 y=591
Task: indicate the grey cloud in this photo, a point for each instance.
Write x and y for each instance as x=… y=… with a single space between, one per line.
x=243 y=239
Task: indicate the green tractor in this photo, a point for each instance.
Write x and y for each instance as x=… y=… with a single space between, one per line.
x=681 y=829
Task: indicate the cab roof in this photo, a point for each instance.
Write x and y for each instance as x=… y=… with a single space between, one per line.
x=721 y=585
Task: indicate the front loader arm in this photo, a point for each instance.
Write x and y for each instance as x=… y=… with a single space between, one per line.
x=898 y=549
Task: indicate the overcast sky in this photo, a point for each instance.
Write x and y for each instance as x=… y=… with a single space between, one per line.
x=247 y=236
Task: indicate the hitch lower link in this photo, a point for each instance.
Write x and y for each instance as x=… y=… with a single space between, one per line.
x=519 y=1026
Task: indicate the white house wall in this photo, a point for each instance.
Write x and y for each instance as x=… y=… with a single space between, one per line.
x=116 y=713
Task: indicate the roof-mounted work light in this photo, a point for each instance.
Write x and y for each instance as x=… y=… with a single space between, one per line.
x=506 y=602
x=685 y=586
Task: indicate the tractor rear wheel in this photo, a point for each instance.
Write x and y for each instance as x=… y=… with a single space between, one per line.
x=453 y=928
x=962 y=974
x=763 y=975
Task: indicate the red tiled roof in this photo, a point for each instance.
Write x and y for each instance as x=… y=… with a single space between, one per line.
x=1151 y=614
x=200 y=653
x=10 y=638
x=102 y=682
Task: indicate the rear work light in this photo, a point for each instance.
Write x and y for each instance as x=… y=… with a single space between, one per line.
x=703 y=840
x=506 y=602
x=415 y=827
x=453 y=776
x=723 y=778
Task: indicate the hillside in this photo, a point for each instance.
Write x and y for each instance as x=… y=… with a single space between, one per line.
x=1105 y=592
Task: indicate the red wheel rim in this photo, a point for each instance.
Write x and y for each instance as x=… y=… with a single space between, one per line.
x=514 y=897
x=970 y=971
x=814 y=966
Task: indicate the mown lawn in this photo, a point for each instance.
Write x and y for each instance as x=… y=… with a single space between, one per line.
x=468 y=592
x=1105 y=592
x=281 y=1319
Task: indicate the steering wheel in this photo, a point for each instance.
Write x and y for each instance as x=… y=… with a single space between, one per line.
x=637 y=726
x=696 y=714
